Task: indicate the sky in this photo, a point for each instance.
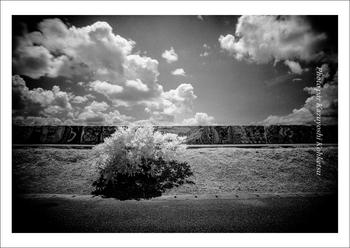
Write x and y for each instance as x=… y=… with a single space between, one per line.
x=173 y=70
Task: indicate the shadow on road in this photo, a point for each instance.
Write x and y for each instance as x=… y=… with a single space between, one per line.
x=94 y=214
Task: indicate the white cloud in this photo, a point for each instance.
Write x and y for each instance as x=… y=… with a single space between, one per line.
x=170 y=55
x=99 y=118
x=97 y=106
x=137 y=84
x=96 y=113
x=162 y=106
x=179 y=72
x=54 y=104
x=160 y=118
x=54 y=107
x=294 y=66
x=145 y=123
x=297 y=117
x=143 y=68
x=307 y=113
x=262 y=39
x=90 y=117
x=206 y=50
x=140 y=82
x=79 y=99
x=116 y=118
x=105 y=88
x=200 y=17
x=181 y=99
x=36 y=121
x=103 y=63
x=228 y=43
x=135 y=92
x=37 y=61
x=92 y=51
x=172 y=104
x=200 y=119
x=38 y=100
x=96 y=53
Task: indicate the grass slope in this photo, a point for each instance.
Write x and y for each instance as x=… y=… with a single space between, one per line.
x=72 y=171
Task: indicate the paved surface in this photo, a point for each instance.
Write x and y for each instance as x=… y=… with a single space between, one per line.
x=209 y=213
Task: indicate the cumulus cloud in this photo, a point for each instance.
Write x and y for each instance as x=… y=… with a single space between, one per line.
x=290 y=39
x=200 y=119
x=79 y=99
x=137 y=84
x=179 y=72
x=329 y=101
x=307 y=113
x=93 y=52
x=56 y=50
x=96 y=113
x=39 y=101
x=172 y=103
x=163 y=107
x=143 y=68
x=105 y=88
x=36 y=61
x=36 y=121
x=140 y=83
x=262 y=39
x=97 y=107
x=103 y=63
x=297 y=117
x=56 y=107
x=52 y=104
x=170 y=55
x=179 y=100
x=294 y=66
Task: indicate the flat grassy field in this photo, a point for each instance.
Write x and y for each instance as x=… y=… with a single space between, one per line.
x=216 y=170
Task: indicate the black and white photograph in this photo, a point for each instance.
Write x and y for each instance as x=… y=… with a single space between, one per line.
x=181 y=123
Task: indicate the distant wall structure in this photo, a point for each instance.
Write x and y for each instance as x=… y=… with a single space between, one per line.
x=284 y=134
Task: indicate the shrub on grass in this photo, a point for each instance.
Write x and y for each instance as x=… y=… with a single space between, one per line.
x=138 y=162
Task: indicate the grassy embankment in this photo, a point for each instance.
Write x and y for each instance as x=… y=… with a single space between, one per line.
x=72 y=171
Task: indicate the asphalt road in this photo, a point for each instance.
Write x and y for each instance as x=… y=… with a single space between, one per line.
x=58 y=213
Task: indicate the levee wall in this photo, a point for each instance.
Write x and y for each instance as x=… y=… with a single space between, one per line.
x=195 y=134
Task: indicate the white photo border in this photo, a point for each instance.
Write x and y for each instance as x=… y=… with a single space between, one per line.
x=8 y=8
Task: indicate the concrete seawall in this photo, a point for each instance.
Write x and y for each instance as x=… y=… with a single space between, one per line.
x=195 y=134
